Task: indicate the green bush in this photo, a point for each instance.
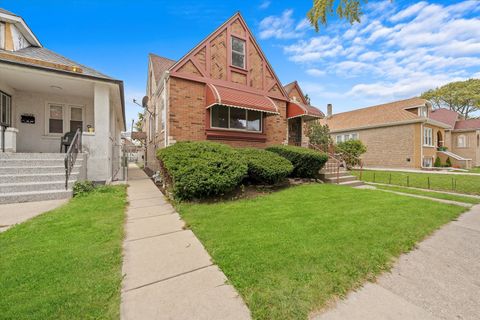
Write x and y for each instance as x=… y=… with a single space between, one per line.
x=351 y=151
x=196 y=170
x=81 y=188
x=437 y=163
x=265 y=166
x=306 y=162
x=448 y=163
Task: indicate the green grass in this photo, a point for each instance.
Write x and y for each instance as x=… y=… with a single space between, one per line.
x=475 y=170
x=461 y=183
x=65 y=264
x=430 y=194
x=290 y=252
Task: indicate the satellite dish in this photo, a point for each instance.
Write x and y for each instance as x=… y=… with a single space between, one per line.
x=145 y=102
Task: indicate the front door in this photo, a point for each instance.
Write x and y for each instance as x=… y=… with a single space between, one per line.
x=295 y=131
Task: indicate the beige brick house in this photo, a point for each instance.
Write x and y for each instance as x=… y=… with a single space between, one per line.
x=223 y=90
x=407 y=134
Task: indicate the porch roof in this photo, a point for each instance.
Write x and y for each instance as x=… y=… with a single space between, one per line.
x=239 y=99
x=299 y=109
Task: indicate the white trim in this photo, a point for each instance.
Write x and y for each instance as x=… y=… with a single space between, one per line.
x=66 y=117
x=21 y=24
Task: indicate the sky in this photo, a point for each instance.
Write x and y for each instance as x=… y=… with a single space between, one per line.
x=400 y=49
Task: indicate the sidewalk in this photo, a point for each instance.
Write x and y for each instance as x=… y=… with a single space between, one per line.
x=439 y=280
x=167 y=272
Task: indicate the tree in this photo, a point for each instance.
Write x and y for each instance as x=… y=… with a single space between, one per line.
x=350 y=10
x=350 y=152
x=307 y=97
x=138 y=124
x=460 y=96
x=319 y=135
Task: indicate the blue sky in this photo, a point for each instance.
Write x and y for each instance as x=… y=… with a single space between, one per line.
x=400 y=49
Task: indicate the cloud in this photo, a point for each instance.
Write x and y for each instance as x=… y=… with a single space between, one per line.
x=314 y=49
x=265 y=4
x=316 y=72
x=408 y=12
x=282 y=27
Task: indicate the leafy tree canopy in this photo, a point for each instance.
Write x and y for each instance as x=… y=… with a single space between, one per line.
x=319 y=135
x=350 y=10
x=138 y=124
x=460 y=96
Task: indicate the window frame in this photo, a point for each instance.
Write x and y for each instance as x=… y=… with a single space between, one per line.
x=346 y=137
x=465 y=143
x=8 y=112
x=66 y=117
x=244 y=53
x=228 y=120
x=430 y=162
x=428 y=138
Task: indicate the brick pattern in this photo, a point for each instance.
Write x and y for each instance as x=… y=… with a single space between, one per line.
x=255 y=68
x=472 y=151
x=239 y=78
x=190 y=68
x=218 y=53
x=237 y=29
x=201 y=58
x=295 y=94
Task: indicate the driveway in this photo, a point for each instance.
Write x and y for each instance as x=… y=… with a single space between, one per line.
x=438 y=280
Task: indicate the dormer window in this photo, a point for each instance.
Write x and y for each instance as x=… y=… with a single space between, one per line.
x=238 y=52
x=423 y=112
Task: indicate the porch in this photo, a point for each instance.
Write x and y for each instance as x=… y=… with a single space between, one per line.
x=38 y=107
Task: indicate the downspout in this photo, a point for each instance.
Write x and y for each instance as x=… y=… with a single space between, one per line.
x=421 y=144
x=166 y=104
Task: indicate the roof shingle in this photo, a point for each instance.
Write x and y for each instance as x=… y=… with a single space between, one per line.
x=444 y=115
x=470 y=124
x=160 y=65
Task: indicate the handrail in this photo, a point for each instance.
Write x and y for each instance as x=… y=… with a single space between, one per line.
x=333 y=164
x=71 y=155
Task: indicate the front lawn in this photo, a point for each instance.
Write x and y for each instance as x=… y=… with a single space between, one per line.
x=290 y=252
x=462 y=183
x=475 y=170
x=65 y=264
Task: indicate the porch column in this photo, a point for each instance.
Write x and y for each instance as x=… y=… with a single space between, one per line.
x=100 y=152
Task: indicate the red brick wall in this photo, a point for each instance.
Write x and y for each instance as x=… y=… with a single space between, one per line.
x=187 y=116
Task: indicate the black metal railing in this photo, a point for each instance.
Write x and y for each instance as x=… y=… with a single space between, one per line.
x=71 y=155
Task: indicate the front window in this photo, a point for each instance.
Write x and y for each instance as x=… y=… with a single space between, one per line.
x=5 y=109
x=427 y=162
x=238 y=52
x=428 y=137
x=461 y=141
x=236 y=118
x=55 y=119
x=76 y=119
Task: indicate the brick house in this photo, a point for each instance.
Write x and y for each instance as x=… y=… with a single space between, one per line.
x=405 y=134
x=223 y=90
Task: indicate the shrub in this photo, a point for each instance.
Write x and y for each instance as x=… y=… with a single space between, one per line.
x=306 y=162
x=81 y=188
x=201 y=169
x=448 y=162
x=265 y=166
x=351 y=151
x=437 y=163
x=319 y=135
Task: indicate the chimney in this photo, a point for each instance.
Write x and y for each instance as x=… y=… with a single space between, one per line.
x=329 y=110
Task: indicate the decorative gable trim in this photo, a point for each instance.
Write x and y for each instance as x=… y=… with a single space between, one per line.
x=210 y=62
x=297 y=86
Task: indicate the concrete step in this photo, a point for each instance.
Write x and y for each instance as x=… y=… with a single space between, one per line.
x=340 y=179
x=37 y=177
x=10 y=155
x=35 y=162
x=7 y=170
x=15 y=197
x=326 y=175
x=355 y=183
x=34 y=186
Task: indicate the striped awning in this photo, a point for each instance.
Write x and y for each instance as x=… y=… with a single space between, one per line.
x=297 y=109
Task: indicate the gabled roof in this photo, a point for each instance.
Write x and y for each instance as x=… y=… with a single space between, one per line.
x=292 y=85
x=160 y=65
x=388 y=113
x=470 y=124
x=22 y=26
x=444 y=115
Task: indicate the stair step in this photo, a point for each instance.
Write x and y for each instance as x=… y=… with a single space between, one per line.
x=10 y=155
x=8 y=170
x=37 y=177
x=34 y=162
x=355 y=183
x=15 y=197
x=340 y=179
x=34 y=186
x=326 y=175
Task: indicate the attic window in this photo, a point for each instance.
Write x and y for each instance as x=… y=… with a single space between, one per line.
x=238 y=53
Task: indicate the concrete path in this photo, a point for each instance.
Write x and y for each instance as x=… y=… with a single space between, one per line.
x=422 y=171
x=14 y=213
x=438 y=280
x=167 y=272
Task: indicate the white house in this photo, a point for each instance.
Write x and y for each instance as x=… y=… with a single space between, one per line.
x=43 y=96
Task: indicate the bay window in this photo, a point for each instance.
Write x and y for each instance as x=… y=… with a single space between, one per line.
x=235 y=118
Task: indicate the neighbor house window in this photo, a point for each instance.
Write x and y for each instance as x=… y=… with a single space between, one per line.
x=461 y=141
x=235 y=118
x=76 y=118
x=427 y=162
x=428 y=137
x=55 y=118
x=346 y=137
x=5 y=109
x=238 y=52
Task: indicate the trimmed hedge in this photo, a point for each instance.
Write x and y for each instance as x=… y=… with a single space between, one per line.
x=306 y=162
x=265 y=166
x=201 y=169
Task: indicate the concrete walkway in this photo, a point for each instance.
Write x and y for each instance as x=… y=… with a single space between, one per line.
x=167 y=272
x=14 y=213
x=438 y=280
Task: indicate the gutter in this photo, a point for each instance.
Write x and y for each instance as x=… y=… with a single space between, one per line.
x=399 y=123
